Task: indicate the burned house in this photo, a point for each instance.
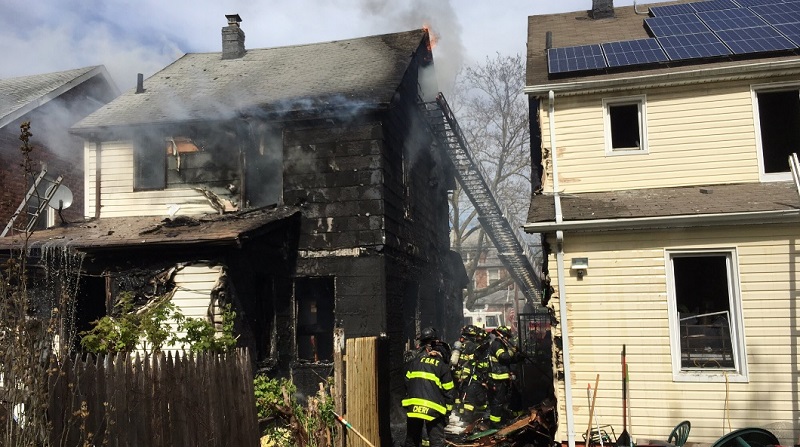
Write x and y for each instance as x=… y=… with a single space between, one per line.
x=299 y=183
x=51 y=102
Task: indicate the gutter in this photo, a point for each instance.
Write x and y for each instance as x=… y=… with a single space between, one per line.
x=696 y=76
x=562 y=293
x=642 y=223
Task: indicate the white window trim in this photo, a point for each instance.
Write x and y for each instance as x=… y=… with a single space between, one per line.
x=754 y=90
x=641 y=101
x=740 y=375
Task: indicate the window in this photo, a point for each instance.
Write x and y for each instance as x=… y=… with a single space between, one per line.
x=149 y=163
x=314 y=298
x=706 y=330
x=494 y=275
x=625 y=128
x=778 y=126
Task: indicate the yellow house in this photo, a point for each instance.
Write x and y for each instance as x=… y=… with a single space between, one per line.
x=665 y=197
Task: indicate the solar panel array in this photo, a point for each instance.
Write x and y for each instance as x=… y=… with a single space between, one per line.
x=692 y=31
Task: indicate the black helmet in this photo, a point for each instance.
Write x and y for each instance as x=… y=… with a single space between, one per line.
x=427 y=334
x=505 y=331
x=471 y=331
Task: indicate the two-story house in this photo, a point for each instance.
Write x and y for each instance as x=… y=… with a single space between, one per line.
x=299 y=184
x=51 y=102
x=662 y=136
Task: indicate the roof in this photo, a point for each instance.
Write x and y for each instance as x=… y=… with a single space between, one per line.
x=350 y=73
x=144 y=232
x=20 y=95
x=716 y=200
x=577 y=28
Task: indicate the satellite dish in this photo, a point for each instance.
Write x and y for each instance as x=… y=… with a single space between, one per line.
x=62 y=198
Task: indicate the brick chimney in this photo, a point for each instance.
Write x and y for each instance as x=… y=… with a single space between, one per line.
x=602 y=9
x=232 y=38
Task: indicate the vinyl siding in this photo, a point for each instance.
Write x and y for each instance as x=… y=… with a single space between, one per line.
x=622 y=299
x=700 y=135
x=118 y=199
x=192 y=297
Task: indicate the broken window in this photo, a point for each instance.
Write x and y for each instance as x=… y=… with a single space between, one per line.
x=149 y=163
x=314 y=300
x=705 y=309
x=625 y=125
x=779 y=129
x=264 y=179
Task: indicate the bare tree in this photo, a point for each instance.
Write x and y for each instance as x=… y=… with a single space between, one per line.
x=493 y=114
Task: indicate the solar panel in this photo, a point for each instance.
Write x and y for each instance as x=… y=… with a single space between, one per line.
x=633 y=52
x=579 y=58
x=778 y=14
x=693 y=46
x=713 y=5
x=755 y=40
x=790 y=30
x=671 y=10
x=748 y=3
x=676 y=25
x=729 y=19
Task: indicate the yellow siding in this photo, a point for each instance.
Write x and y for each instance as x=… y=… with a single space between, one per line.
x=695 y=136
x=118 y=199
x=622 y=299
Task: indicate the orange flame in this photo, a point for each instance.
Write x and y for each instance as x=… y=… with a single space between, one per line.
x=433 y=39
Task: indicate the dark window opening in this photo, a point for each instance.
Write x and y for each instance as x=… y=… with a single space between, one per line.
x=264 y=177
x=315 y=298
x=703 y=302
x=149 y=164
x=625 y=126
x=779 y=117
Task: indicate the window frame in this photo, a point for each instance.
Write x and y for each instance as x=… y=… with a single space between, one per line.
x=740 y=372
x=147 y=148
x=641 y=102
x=755 y=89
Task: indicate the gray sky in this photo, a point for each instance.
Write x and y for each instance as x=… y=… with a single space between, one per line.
x=143 y=36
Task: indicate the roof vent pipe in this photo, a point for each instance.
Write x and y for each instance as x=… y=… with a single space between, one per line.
x=602 y=9
x=643 y=13
x=548 y=40
x=139 y=83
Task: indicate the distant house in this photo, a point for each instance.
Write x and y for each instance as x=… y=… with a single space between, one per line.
x=299 y=184
x=669 y=213
x=52 y=102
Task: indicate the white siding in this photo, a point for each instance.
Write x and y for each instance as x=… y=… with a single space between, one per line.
x=118 y=199
x=700 y=135
x=193 y=286
x=622 y=299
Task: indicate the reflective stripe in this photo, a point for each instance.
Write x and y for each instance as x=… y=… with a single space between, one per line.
x=494 y=418
x=448 y=386
x=469 y=407
x=499 y=352
x=428 y=376
x=499 y=376
x=420 y=416
x=424 y=403
x=449 y=407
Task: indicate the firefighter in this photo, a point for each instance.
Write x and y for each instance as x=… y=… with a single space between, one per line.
x=472 y=391
x=430 y=391
x=502 y=354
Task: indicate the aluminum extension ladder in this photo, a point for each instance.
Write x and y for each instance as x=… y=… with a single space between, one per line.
x=34 y=193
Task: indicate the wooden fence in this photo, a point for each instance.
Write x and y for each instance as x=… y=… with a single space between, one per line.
x=161 y=400
x=366 y=391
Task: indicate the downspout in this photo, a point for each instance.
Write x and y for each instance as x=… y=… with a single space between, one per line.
x=562 y=299
x=98 y=147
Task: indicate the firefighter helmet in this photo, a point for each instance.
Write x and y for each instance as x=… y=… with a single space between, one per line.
x=471 y=330
x=505 y=331
x=427 y=334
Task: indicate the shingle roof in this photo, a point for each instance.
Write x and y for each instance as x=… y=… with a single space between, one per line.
x=149 y=231
x=356 y=72
x=664 y=202
x=576 y=28
x=22 y=94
